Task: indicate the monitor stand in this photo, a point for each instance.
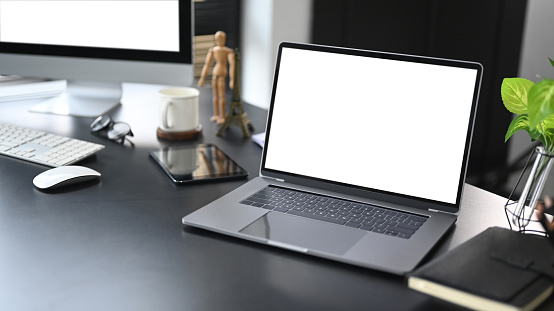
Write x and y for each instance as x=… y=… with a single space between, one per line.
x=83 y=99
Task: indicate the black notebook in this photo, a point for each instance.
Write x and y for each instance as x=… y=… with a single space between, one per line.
x=498 y=269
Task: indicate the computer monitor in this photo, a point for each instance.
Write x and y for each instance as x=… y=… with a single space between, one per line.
x=97 y=45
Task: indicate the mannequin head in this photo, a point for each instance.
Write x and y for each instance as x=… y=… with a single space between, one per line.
x=220 y=38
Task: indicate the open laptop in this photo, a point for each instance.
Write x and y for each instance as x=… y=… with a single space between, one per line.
x=364 y=160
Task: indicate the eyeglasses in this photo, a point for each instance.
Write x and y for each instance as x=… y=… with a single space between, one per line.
x=116 y=131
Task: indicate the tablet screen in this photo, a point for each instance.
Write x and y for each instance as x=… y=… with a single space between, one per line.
x=203 y=162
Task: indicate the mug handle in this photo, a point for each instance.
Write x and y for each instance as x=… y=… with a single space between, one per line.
x=165 y=109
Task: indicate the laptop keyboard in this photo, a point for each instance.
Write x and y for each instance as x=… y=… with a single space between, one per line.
x=342 y=212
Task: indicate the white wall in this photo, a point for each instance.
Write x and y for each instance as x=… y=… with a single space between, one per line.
x=537 y=46
x=538 y=41
x=265 y=23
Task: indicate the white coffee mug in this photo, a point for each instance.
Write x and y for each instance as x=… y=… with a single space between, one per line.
x=179 y=109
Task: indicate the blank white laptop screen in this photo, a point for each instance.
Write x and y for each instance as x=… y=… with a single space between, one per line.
x=389 y=125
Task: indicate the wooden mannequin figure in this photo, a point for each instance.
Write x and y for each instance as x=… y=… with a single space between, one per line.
x=223 y=56
x=236 y=115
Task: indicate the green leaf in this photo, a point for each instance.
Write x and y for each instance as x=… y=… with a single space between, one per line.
x=534 y=133
x=519 y=123
x=545 y=129
x=547 y=138
x=541 y=102
x=551 y=61
x=514 y=94
x=522 y=123
x=548 y=123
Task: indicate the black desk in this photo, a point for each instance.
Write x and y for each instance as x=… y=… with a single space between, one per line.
x=120 y=245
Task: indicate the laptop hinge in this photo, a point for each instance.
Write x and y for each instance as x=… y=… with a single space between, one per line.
x=439 y=211
x=273 y=178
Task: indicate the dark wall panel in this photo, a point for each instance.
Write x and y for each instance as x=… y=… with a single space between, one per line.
x=214 y=15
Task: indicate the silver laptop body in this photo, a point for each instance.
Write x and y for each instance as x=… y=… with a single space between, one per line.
x=387 y=132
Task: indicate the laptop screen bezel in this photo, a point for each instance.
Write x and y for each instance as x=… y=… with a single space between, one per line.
x=369 y=193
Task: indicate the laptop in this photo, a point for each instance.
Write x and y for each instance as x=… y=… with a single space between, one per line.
x=364 y=160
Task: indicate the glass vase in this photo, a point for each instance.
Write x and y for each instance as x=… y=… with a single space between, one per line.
x=533 y=187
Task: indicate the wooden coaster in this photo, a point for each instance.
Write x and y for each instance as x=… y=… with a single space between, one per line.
x=186 y=135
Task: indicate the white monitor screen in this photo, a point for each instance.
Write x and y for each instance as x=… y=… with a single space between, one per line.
x=140 y=25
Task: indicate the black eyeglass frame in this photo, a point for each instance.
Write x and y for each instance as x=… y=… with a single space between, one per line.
x=104 y=124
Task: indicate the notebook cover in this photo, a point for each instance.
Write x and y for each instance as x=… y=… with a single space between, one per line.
x=498 y=264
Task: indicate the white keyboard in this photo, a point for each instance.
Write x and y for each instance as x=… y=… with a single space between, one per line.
x=43 y=148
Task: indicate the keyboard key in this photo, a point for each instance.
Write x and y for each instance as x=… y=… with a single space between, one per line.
x=400 y=229
x=378 y=230
x=417 y=218
x=9 y=144
x=406 y=226
x=404 y=235
x=261 y=196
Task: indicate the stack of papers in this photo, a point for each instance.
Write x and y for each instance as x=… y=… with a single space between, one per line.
x=18 y=88
x=259 y=139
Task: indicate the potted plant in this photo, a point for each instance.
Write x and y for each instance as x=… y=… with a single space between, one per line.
x=533 y=103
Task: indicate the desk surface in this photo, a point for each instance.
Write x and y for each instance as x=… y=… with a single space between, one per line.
x=119 y=244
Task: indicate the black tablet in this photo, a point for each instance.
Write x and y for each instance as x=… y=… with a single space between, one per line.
x=204 y=162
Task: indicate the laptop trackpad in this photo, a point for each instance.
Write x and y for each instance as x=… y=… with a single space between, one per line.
x=297 y=233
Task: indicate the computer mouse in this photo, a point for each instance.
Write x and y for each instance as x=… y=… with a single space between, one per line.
x=64 y=176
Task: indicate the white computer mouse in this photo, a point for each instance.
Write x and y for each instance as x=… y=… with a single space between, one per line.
x=63 y=176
